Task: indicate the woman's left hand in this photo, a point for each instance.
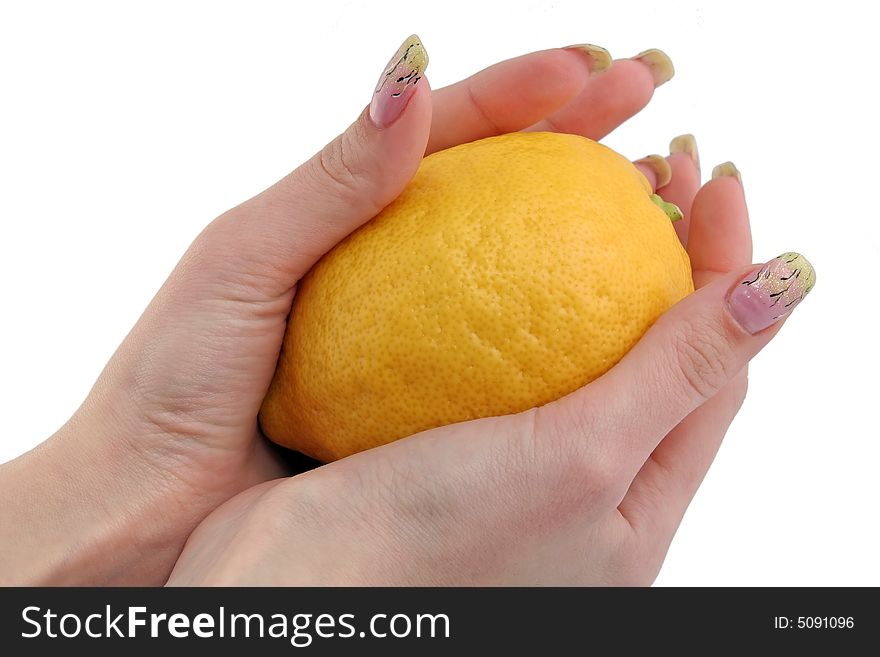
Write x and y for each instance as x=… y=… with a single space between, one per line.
x=169 y=431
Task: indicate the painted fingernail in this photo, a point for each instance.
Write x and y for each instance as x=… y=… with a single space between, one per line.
x=771 y=291
x=659 y=63
x=727 y=169
x=660 y=167
x=398 y=81
x=600 y=59
x=686 y=144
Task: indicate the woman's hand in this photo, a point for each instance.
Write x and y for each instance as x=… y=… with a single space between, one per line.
x=169 y=431
x=589 y=489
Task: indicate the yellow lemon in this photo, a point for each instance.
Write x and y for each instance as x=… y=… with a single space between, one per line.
x=510 y=272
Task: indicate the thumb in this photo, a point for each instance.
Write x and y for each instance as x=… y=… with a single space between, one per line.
x=270 y=241
x=691 y=353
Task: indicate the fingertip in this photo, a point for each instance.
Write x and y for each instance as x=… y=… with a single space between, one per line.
x=685 y=144
x=598 y=57
x=683 y=163
x=415 y=113
x=721 y=191
x=405 y=139
x=727 y=170
x=658 y=64
x=656 y=169
x=633 y=80
x=399 y=82
x=576 y=65
x=769 y=293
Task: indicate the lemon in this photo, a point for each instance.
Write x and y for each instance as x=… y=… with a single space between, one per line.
x=509 y=272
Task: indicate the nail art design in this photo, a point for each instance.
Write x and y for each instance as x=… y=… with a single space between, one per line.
x=398 y=81
x=600 y=58
x=772 y=292
x=685 y=144
x=659 y=63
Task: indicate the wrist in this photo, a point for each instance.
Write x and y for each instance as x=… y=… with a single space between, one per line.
x=80 y=509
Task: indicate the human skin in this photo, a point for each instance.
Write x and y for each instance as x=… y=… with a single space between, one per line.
x=166 y=450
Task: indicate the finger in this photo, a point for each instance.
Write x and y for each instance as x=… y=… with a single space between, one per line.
x=610 y=99
x=720 y=242
x=204 y=352
x=265 y=245
x=656 y=169
x=684 y=160
x=565 y=90
x=720 y=237
x=512 y=94
x=689 y=354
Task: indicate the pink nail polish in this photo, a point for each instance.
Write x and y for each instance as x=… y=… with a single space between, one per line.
x=771 y=292
x=398 y=82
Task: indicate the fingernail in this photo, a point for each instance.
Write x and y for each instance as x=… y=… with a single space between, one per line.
x=727 y=169
x=600 y=59
x=771 y=291
x=659 y=63
x=398 y=81
x=660 y=167
x=686 y=144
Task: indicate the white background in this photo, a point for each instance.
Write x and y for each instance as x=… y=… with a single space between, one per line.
x=125 y=127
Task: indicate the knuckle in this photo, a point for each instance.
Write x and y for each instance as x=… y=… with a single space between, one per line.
x=634 y=562
x=340 y=168
x=703 y=357
x=579 y=471
x=228 y=263
x=207 y=252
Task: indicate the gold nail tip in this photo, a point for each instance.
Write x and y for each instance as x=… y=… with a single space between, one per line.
x=796 y=261
x=600 y=59
x=659 y=63
x=413 y=51
x=660 y=167
x=686 y=144
x=726 y=169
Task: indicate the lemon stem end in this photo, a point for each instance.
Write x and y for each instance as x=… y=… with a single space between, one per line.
x=671 y=210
